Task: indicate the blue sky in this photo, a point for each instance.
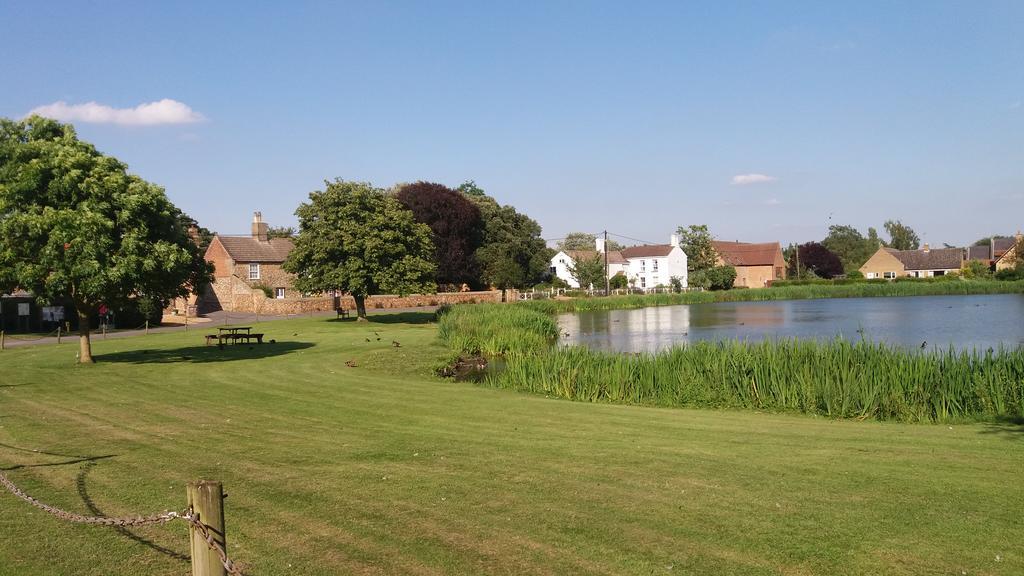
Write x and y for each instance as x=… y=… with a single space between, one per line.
x=766 y=121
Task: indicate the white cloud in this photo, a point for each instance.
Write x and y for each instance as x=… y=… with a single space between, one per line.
x=744 y=179
x=165 y=111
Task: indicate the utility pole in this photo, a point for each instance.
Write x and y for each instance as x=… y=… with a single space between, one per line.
x=607 y=280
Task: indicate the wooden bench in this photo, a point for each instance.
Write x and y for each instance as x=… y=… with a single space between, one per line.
x=342 y=313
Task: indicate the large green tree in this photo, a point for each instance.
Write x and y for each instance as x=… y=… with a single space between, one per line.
x=695 y=240
x=76 y=226
x=585 y=241
x=852 y=248
x=357 y=239
x=901 y=236
x=513 y=254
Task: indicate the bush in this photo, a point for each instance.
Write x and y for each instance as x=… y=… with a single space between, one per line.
x=267 y=290
x=1011 y=274
x=855 y=275
x=619 y=281
x=721 y=277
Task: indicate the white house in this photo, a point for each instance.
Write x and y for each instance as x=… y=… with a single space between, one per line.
x=655 y=265
x=645 y=267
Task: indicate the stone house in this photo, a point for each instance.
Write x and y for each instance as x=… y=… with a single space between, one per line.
x=756 y=264
x=246 y=264
x=924 y=263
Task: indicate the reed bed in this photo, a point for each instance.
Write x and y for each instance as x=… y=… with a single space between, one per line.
x=803 y=292
x=837 y=379
x=496 y=329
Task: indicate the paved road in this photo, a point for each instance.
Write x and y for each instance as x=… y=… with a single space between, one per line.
x=216 y=319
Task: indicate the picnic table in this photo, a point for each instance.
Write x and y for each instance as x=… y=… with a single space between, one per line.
x=233 y=334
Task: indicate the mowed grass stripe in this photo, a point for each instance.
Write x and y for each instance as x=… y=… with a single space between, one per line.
x=503 y=483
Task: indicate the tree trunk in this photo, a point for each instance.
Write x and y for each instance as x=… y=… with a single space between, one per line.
x=84 y=344
x=360 y=307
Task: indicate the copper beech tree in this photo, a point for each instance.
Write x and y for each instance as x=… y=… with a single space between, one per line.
x=75 y=226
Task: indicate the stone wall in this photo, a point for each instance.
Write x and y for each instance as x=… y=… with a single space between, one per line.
x=235 y=295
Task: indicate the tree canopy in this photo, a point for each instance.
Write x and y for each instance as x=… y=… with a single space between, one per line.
x=457 y=229
x=280 y=232
x=588 y=271
x=852 y=248
x=815 y=258
x=357 y=239
x=695 y=241
x=901 y=236
x=76 y=226
x=585 y=241
x=512 y=254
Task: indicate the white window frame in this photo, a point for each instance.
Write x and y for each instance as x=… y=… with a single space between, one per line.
x=643 y=265
x=254 y=271
x=888 y=275
x=279 y=293
x=643 y=281
x=654 y=265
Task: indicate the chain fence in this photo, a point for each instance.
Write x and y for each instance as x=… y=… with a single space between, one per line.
x=131 y=521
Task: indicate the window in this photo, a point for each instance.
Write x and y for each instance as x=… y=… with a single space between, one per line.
x=654 y=280
x=643 y=265
x=939 y=273
x=278 y=292
x=889 y=275
x=643 y=281
x=254 y=271
x=654 y=265
x=554 y=270
x=870 y=275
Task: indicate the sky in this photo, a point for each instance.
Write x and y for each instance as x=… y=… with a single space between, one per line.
x=765 y=120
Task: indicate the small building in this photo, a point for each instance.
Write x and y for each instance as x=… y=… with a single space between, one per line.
x=645 y=267
x=991 y=252
x=246 y=263
x=654 y=265
x=756 y=264
x=924 y=263
x=1009 y=257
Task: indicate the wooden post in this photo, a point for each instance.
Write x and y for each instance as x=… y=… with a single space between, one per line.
x=147 y=327
x=186 y=319
x=206 y=499
x=58 y=334
x=3 y=336
x=104 y=330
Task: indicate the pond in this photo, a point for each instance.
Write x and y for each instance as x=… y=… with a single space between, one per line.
x=963 y=322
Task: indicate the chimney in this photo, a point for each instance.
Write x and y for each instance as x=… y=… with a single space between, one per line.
x=599 y=245
x=193 y=233
x=674 y=240
x=926 y=248
x=259 y=227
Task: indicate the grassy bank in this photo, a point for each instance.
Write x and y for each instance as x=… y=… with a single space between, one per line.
x=857 y=290
x=837 y=379
x=496 y=329
x=384 y=469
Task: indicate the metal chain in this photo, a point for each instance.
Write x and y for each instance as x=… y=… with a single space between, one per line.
x=211 y=542
x=100 y=520
x=187 y=516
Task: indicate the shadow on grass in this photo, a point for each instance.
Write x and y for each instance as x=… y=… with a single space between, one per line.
x=403 y=318
x=204 y=354
x=74 y=460
x=83 y=493
x=1012 y=427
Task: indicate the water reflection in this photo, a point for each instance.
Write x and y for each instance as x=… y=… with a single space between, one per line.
x=960 y=321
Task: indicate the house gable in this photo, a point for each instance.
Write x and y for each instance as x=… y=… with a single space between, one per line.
x=883 y=263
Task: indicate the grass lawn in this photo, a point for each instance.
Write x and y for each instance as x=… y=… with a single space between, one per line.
x=384 y=469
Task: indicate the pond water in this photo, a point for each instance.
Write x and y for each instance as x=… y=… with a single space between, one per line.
x=963 y=322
